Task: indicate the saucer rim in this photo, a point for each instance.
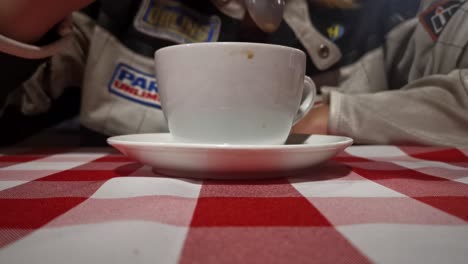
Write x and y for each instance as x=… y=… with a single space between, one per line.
x=116 y=140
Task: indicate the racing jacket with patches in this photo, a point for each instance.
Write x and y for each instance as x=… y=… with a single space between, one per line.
x=110 y=58
x=412 y=90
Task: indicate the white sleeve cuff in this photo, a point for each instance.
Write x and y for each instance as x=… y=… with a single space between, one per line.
x=335 y=115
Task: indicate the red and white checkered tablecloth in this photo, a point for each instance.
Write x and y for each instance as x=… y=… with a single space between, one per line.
x=378 y=204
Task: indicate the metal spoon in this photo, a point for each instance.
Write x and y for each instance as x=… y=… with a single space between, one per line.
x=267 y=14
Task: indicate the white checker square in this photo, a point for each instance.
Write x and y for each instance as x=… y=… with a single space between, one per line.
x=39 y=168
x=9 y=184
x=398 y=243
x=462 y=180
x=125 y=187
x=52 y=163
x=371 y=152
x=110 y=242
x=344 y=188
x=44 y=165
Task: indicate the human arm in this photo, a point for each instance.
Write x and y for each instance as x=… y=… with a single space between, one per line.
x=29 y=20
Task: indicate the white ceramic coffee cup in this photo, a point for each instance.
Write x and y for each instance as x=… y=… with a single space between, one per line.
x=233 y=93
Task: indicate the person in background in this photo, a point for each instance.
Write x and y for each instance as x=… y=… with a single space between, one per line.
x=368 y=56
x=411 y=90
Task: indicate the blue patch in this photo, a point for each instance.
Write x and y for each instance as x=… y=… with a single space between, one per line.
x=173 y=21
x=135 y=85
x=335 y=32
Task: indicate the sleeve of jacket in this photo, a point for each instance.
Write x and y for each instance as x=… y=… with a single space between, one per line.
x=11 y=78
x=413 y=90
x=429 y=111
x=35 y=76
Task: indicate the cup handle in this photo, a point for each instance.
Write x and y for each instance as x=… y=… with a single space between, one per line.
x=308 y=99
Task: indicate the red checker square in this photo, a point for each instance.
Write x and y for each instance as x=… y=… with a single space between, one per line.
x=449 y=155
x=262 y=188
x=20 y=158
x=394 y=210
x=24 y=175
x=457 y=206
x=161 y=209
x=445 y=173
x=34 y=213
x=49 y=189
x=268 y=245
x=283 y=211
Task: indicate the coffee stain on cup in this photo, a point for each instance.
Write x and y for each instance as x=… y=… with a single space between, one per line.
x=248 y=53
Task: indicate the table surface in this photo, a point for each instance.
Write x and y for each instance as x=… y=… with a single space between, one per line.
x=377 y=204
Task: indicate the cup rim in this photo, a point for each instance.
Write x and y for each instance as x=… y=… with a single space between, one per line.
x=237 y=44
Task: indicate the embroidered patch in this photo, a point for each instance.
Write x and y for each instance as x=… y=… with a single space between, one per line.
x=171 y=20
x=134 y=85
x=335 y=32
x=436 y=17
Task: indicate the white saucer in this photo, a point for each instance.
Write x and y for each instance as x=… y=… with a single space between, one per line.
x=168 y=157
